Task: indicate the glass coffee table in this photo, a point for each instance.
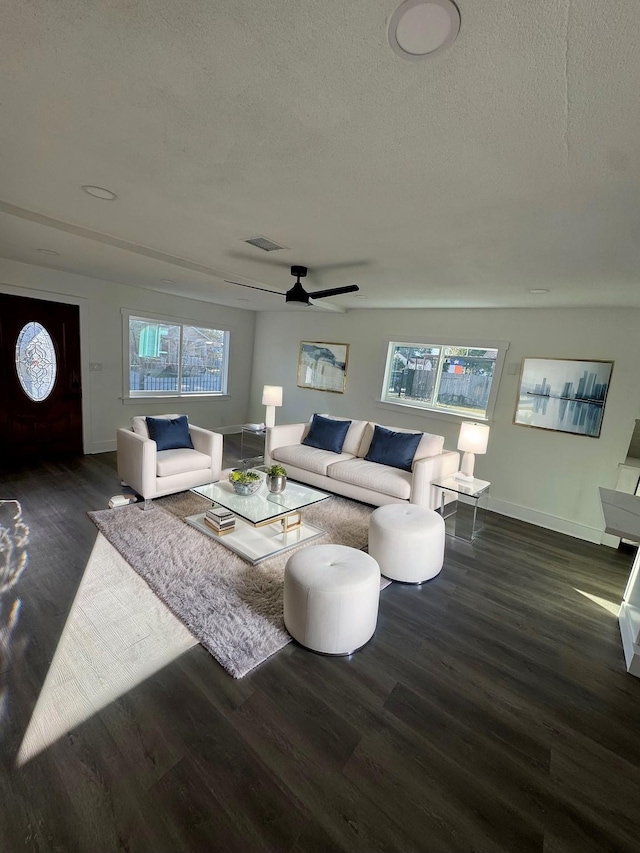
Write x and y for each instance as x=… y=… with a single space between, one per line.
x=266 y=523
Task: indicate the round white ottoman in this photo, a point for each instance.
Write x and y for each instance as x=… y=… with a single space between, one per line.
x=407 y=541
x=331 y=595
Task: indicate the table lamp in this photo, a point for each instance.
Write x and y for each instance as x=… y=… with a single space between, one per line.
x=271 y=397
x=473 y=439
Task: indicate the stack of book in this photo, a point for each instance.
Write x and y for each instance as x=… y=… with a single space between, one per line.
x=220 y=520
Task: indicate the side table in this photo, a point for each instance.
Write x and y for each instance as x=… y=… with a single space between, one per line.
x=253 y=431
x=469 y=493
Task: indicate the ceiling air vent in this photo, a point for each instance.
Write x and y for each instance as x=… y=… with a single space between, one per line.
x=264 y=243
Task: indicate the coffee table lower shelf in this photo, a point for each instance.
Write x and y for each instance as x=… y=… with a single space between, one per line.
x=255 y=544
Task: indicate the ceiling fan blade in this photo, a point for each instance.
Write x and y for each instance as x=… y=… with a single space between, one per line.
x=253 y=287
x=334 y=291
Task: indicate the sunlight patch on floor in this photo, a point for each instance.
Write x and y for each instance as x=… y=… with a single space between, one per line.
x=117 y=634
x=610 y=606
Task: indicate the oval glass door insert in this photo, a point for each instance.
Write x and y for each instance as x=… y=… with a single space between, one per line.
x=36 y=362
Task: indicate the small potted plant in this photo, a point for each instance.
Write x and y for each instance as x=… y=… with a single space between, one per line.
x=276 y=478
x=245 y=482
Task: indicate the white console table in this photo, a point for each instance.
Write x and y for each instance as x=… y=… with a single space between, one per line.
x=622 y=518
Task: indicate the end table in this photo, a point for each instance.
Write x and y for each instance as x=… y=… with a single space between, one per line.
x=252 y=430
x=466 y=525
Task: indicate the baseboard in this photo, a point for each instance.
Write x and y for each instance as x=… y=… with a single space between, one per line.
x=550 y=522
x=102 y=446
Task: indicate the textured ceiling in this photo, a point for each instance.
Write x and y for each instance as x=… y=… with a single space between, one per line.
x=510 y=161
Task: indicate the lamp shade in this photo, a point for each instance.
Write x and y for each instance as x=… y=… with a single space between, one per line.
x=473 y=438
x=272 y=395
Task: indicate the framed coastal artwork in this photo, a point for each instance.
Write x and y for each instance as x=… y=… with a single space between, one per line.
x=563 y=395
x=323 y=366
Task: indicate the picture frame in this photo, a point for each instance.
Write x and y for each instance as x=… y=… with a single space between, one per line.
x=563 y=394
x=322 y=366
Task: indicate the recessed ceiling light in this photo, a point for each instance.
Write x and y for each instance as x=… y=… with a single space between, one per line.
x=99 y=192
x=48 y=252
x=419 y=28
x=538 y=290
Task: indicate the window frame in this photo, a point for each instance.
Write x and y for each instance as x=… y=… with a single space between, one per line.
x=148 y=316
x=441 y=412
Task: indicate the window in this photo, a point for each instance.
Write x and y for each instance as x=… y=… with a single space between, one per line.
x=456 y=380
x=36 y=363
x=175 y=359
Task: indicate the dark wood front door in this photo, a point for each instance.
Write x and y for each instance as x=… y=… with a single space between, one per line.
x=40 y=386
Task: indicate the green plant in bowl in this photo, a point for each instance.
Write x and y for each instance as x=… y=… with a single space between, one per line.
x=276 y=471
x=244 y=477
x=276 y=478
x=245 y=482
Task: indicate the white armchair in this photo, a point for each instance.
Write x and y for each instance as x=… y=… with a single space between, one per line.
x=152 y=473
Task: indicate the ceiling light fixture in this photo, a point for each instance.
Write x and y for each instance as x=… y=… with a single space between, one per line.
x=539 y=290
x=48 y=252
x=99 y=192
x=418 y=28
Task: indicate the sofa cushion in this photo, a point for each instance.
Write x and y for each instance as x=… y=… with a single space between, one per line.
x=327 y=434
x=354 y=433
x=170 y=433
x=396 y=449
x=308 y=458
x=372 y=475
x=430 y=444
x=180 y=461
x=139 y=423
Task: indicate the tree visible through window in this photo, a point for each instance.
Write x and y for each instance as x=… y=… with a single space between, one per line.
x=455 y=379
x=176 y=359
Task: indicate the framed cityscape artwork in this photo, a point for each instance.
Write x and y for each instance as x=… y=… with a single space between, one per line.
x=323 y=366
x=562 y=394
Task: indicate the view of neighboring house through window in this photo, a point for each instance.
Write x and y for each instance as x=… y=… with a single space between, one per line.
x=176 y=359
x=453 y=379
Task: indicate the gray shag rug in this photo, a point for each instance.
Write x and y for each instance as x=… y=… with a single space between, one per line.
x=232 y=607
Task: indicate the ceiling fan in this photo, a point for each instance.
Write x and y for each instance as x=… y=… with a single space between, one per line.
x=297 y=293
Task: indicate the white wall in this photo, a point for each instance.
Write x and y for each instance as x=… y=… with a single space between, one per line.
x=548 y=478
x=100 y=303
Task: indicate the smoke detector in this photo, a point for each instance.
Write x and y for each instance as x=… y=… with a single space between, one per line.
x=420 y=28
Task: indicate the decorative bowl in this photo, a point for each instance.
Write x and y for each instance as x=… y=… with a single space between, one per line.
x=247 y=488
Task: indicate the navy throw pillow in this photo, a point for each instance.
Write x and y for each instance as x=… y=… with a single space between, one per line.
x=396 y=449
x=170 y=433
x=327 y=434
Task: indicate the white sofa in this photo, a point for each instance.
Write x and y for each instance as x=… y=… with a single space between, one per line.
x=349 y=474
x=152 y=473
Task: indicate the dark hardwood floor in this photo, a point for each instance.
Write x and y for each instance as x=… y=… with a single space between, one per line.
x=490 y=712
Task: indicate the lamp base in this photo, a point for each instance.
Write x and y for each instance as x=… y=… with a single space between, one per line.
x=466 y=466
x=270 y=416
